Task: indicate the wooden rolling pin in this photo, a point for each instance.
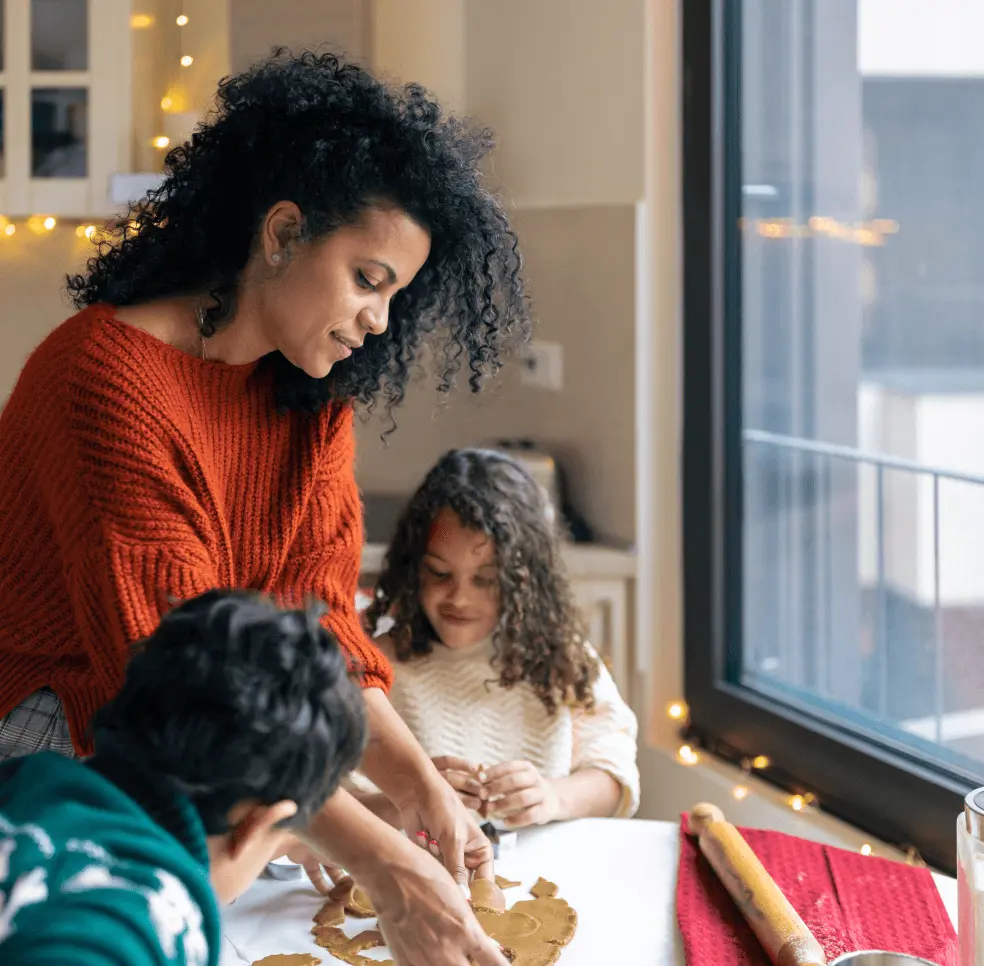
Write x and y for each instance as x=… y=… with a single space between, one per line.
x=774 y=921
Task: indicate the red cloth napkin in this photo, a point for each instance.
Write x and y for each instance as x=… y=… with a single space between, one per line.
x=848 y=901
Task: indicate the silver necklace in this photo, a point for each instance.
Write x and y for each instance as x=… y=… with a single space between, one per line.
x=200 y=315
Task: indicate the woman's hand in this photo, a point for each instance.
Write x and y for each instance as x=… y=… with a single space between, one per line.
x=462 y=776
x=425 y=918
x=430 y=811
x=423 y=914
x=434 y=818
x=518 y=795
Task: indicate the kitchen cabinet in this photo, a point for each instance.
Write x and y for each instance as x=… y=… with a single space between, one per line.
x=603 y=583
x=64 y=105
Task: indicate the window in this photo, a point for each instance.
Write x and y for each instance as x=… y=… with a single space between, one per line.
x=64 y=104
x=834 y=401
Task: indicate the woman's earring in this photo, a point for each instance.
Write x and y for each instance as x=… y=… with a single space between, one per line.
x=275 y=258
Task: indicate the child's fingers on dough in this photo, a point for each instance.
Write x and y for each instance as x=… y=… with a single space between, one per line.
x=506 y=768
x=512 y=783
x=463 y=782
x=518 y=802
x=524 y=818
x=453 y=763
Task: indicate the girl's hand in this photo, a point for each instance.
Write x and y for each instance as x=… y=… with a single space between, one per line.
x=519 y=795
x=462 y=776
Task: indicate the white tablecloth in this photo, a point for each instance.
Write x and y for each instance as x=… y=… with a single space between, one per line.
x=590 y=860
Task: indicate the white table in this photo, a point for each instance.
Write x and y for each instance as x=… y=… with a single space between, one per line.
x=587 y=859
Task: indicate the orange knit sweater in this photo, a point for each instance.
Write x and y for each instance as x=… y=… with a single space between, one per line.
x=133 y=474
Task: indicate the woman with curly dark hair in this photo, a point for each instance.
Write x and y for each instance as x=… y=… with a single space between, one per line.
x=191 y=427
x=493 y=674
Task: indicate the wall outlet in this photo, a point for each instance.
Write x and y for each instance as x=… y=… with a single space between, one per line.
x=543 y=366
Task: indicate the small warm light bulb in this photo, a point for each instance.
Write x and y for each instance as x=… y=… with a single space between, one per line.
x=761 y=762
x=49 y=223
x=676 y=710
x=167 y=103
x=141 y=21
x=9 y=230
x=739 y=793
x=687 y=755
x=181 y=21
x=80 y=231
x=161 y=142
x=90 y=230
x=187 y=60
x=797 y=804
x=866 y=849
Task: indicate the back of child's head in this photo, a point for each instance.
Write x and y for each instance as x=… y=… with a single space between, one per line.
x=539 y=638
x=233 y=699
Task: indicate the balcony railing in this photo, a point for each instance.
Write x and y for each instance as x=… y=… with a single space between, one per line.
x=871 y=488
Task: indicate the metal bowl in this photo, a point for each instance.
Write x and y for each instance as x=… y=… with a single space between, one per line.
x=873 y=957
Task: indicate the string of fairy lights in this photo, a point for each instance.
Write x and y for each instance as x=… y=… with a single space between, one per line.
x=689 y=755
x=172 y=101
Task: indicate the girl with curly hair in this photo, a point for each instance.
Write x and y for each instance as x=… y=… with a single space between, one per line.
x=493 y=674
x=191 y=427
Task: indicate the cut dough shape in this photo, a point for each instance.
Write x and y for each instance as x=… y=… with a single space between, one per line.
x=543 y=889
x=503 y=883
x=487 y=895
x=354 y=900
x=330 y=914
x=533 y=931
x=350 y=950
x=330 y=937
x=292 y=959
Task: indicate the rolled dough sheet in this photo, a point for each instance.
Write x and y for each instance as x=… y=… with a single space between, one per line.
x=275 y=917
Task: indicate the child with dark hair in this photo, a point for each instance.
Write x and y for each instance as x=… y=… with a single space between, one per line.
x=236 y=722
x=493 y=674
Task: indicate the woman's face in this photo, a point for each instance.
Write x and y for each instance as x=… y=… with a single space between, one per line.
x=459 y=582
x=320 y=300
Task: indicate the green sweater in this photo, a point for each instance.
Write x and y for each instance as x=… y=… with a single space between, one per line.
x=101 y=864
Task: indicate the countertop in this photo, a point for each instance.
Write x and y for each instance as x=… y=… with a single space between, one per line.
x=619 y=875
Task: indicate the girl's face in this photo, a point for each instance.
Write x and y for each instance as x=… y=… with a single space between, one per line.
x=459 y=582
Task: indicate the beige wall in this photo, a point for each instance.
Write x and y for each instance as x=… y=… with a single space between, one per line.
x=32 y=281
x=561 y=84
x=422 y=41
x=258 y=25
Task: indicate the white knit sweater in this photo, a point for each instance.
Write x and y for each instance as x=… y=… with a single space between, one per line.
x=453 y=704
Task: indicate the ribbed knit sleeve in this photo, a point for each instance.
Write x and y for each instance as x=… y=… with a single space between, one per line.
x=606 y=738
x=325 y=557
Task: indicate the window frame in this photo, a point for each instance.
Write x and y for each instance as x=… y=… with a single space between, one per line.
x=889 y=792
x=107 y=79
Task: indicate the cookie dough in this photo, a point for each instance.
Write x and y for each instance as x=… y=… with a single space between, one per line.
x=503 y=883
x=330 y=914
x=542 y=888
x=350 y=950
x=533 y=932
x=353 y=899
x=487 y=895
x=294 y=959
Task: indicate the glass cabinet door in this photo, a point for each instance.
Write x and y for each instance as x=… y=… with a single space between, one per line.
x=64 y=104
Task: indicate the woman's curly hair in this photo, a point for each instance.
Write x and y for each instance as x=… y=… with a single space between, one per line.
x=333 y=139
x=540 y=637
